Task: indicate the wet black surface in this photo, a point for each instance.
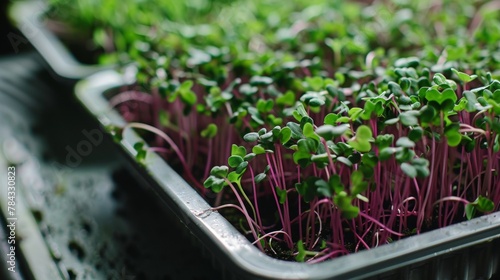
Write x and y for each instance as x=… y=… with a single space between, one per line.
x=96 y=220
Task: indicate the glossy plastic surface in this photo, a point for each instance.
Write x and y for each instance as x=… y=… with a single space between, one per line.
x=27 y=16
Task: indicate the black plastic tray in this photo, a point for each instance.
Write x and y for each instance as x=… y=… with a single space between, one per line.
x=27 y=17
x=469 y=250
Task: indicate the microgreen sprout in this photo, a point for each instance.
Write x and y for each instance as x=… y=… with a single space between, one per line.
x=326 y=131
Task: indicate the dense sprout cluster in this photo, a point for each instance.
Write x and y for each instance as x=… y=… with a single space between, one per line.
x=330 y=127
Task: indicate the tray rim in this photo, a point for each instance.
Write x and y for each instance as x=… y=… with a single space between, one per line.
x=26 y=15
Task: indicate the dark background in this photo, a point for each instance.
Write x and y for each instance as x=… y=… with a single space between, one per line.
x=96 y=220
x=5 y=28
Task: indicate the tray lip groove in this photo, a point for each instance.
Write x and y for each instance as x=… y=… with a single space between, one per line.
x=27 y=17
